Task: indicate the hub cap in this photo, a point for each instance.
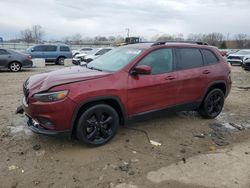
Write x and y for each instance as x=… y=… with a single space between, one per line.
x=15 y=67
x=99 y=126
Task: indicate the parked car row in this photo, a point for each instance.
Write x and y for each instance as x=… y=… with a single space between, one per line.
x=241 y=57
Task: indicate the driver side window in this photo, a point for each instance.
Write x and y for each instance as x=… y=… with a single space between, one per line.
x=160 y=61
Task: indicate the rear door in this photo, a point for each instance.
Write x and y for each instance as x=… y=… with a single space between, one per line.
x=4 y=58
x=154 y=91
x=212 y=68
x=50 y=52
x=192 y=79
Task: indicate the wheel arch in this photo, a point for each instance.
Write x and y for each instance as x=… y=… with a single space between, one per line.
x=113 y=101
x=14 y=61
x=217 y=84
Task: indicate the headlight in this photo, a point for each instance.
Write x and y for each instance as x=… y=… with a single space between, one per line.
x=51 y=96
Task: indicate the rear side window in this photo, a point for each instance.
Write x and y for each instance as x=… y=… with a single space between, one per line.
x=209 y=56
x=64 y=49
x=3 y=52
x=50 y=48
x=160 y=61
x=189 y=58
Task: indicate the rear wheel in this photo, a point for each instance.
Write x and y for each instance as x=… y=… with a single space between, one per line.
x=15 y=66
x=60 y=61
x=97 y=125
x=212 y=105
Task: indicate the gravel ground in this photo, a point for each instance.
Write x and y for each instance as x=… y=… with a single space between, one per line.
x=129 y=160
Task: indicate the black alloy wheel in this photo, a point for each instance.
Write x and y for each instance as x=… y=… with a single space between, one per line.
x=97 y=125
x=212 y=105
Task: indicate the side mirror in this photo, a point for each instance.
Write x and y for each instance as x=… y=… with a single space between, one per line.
x=141 y=69
x=32 y=49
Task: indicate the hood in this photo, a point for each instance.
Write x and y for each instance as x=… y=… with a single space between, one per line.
x=80 y=55
x=45 y=81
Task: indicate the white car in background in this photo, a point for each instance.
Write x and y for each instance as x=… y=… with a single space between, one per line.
x=83 y=57
x=237 y=58
x=85 y=50
x=90 y=57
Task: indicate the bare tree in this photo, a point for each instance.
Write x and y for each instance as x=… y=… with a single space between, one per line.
x=26 y=36
x=242 y=40
x=214 y=39
x=37 y=33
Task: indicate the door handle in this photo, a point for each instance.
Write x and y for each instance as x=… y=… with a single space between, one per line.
x=169 y=78
x=206 y=72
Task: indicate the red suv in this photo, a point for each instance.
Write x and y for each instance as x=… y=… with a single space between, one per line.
x=91 y=101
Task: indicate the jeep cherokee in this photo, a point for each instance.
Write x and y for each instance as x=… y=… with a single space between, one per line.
x=91 y=101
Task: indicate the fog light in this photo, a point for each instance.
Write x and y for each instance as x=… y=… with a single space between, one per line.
x=45 y=121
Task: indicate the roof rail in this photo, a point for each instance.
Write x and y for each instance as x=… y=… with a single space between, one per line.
x=179 y=41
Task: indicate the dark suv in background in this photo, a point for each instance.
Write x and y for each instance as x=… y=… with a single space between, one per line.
x=91 y=101
x=50 y=52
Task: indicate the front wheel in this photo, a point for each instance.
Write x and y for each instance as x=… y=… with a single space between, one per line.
x=212 y=105
x=15 y=66
x=97 y=125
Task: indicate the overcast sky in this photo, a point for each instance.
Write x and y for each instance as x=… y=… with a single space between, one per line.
x=61 y=18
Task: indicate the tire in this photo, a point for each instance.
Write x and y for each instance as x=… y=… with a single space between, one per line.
x=60 y=61
x=91 y=127
x=15 y=66
x=212 y=105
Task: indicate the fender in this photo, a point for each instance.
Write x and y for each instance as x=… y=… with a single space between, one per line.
x=97 y=99
x=214 y=83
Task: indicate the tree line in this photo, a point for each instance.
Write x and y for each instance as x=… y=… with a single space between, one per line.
x=36 y=34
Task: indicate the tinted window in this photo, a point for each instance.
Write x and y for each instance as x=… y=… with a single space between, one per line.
x=64 y=48
x=209 y=57
x=39 y=48
x=189 y=58
x=50 y=48
x=3 y=52
x=160 y=61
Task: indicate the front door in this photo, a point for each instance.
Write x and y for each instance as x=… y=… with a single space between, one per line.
x=156 y=90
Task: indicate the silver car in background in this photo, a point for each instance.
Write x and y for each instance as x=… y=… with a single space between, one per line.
x=237 y=58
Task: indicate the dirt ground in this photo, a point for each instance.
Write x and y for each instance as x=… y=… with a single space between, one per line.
x=193 y=153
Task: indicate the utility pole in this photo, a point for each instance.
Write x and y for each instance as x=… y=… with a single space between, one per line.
x=127 y=29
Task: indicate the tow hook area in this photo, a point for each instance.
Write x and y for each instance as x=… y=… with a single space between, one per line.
x=19 y=110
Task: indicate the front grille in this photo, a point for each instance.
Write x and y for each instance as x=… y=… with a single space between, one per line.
x=234 y=57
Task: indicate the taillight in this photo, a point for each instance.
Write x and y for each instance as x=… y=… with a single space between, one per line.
x=29 y=57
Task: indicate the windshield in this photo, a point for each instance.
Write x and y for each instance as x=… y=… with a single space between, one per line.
x=243 y=52
x=114 y=60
